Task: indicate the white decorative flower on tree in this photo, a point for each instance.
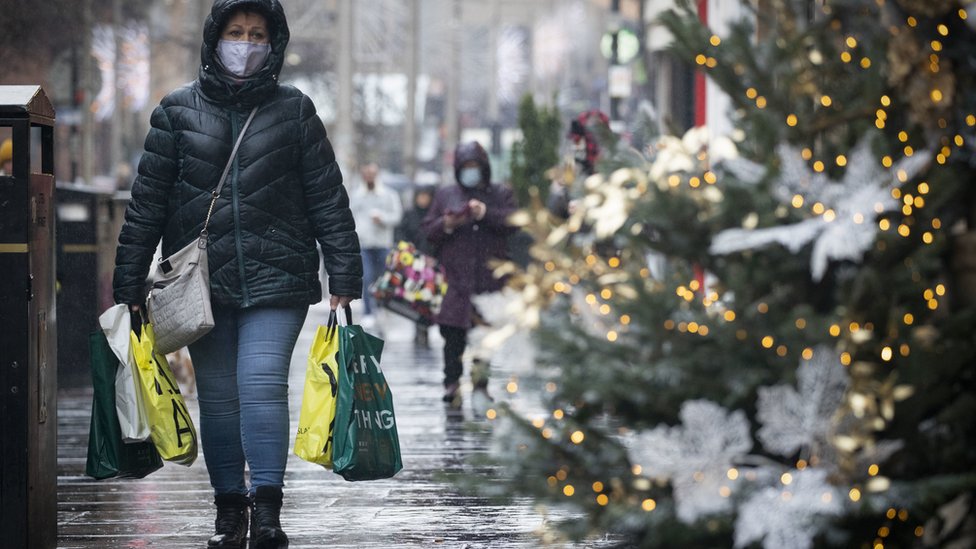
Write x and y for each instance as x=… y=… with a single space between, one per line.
x=696 y=456
x=671 y=155
x=788 y=515
x=609 y=201
x=793 y=419
x=846 y=229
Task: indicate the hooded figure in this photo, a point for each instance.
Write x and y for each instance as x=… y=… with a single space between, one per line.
x=225 y=88
x=467 y=227
x=409 y=228
x=282 y=196
x=283 y=193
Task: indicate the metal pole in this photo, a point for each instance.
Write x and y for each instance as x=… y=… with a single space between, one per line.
x=117 y=121
x=413 y=64
x=451 y=118
x=496 y=16
x=76 y=100
x=344 y=141
x=615 y=56
x=345 y=138
x=87 y=153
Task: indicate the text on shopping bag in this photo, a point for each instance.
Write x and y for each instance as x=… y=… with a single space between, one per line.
x=181 y=416
x=374 y=419
x=360 y=364
x=171 y=427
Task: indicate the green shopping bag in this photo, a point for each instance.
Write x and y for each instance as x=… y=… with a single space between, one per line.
x=365 y=445
x=108 y=455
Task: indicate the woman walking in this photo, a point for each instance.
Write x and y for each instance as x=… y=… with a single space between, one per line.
x=467 y=225
x=282 y=194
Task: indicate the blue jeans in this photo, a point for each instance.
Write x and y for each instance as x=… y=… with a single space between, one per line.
x=374 y=263
x=242 y=384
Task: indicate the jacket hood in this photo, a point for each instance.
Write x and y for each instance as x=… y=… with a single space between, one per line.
x=226 y=89
x=472 y=151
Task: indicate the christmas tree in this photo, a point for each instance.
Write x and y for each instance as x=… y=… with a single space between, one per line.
x=535 y=151
x=767 y=339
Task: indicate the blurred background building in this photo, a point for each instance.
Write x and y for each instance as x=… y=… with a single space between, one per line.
x=398 y=82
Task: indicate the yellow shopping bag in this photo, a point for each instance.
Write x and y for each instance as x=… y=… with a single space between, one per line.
x=316 y=422
x=170 y=426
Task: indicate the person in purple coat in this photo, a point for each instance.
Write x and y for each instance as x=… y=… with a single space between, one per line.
x=467 y=226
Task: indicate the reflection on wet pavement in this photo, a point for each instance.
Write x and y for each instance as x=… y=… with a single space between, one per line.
x=418 y=508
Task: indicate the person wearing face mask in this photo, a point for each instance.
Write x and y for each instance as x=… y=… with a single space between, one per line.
x=467 y=226
x=282 y=196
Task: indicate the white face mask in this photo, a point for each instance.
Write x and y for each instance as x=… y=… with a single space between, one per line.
x=242 y=59
x=470 y=177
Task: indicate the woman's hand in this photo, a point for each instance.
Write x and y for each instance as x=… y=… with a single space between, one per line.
x=338 y=301
x=478 y=209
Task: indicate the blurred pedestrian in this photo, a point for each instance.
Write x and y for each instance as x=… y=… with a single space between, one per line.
x=377 y=210
x=283 y=193
x=585 y=132
x=410 y=230
x=7 y=157
x=468 y=226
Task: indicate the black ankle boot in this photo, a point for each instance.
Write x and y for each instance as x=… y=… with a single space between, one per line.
x=266 y=532
x=231 y=523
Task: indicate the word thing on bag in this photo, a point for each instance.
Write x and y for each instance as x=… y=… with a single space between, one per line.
x=381 y=419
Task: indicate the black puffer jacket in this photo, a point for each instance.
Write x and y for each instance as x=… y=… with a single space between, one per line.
x=284 y=191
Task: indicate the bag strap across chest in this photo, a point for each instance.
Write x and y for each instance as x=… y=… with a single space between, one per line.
x=223 y=176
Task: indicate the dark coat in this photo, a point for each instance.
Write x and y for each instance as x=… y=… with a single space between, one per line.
x=284 y=191
x=466 y=252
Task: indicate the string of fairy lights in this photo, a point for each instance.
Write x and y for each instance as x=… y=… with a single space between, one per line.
x=912 y=203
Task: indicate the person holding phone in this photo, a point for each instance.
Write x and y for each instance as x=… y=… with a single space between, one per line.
x=467 y=226
x=377 y=211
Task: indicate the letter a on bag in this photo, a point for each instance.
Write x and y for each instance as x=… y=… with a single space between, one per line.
x=171 y=427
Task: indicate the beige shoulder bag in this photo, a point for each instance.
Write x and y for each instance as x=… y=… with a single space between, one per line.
x=179 y=301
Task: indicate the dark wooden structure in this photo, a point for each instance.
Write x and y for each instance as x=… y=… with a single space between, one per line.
x=28 y=329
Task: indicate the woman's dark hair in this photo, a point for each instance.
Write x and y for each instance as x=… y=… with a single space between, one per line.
x=255 y=8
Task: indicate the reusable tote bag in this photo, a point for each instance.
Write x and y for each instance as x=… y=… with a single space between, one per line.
x=366 y=445
x=170 y=425
x=316 y=421
x=108 y=455
x=116 y=323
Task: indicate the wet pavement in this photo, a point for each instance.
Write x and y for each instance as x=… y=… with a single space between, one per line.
x=417 y=508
